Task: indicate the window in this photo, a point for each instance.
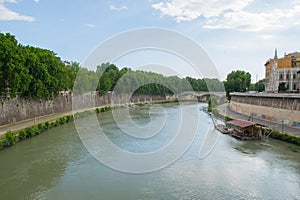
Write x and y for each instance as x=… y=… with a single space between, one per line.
x=294 y=76
x=281 y=76
x=294 y=86
x=287 y=76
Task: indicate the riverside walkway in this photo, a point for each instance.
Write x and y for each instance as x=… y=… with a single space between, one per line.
x=30 y=122
x=224 y=109
x=41 y=119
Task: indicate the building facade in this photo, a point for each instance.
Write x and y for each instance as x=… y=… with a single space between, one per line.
x=283 y=74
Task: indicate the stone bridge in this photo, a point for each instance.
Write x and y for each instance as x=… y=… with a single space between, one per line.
x=201 y=96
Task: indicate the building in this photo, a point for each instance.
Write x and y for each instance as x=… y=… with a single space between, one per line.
x=245 y=130
x=298 y=76
x=282 y=74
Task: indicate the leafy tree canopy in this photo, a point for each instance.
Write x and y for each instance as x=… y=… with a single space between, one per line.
x=237 y=81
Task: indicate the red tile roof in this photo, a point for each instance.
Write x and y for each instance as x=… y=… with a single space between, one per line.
x=241 y=123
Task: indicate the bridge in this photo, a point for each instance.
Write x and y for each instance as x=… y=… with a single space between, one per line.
x=201 y=96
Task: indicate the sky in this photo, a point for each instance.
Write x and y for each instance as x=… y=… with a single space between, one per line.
x=235 y=34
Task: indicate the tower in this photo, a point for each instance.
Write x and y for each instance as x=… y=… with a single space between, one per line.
x=274 y=78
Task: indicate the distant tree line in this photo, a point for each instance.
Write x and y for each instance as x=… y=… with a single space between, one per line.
x=32 y=72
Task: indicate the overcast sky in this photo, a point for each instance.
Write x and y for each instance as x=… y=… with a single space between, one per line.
x=236 y=34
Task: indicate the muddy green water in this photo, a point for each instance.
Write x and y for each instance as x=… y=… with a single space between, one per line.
x=56 y=165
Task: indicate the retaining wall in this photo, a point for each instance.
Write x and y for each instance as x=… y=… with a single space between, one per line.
x=272 y=107
x=18 y=109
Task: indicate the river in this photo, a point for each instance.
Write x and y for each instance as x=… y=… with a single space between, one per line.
x=56 y=165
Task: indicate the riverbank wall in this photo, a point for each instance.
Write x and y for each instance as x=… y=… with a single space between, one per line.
x=20 y=109
x=278 y=108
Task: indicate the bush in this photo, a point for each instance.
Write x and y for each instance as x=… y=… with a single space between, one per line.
x=61 y=120
x=56 y=122
x=40 y=127
x=22 y=135
x=69 y=118
x=34 y=130
x=10 y=139
x=209 y=109
x=284 y=137
x=47 y=125
x=28 y=132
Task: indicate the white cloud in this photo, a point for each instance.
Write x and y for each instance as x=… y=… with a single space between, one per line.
x=187 y=10
x=267 y=37
x=231 y=14
x=246 y=21
x=9 y=1
x=113 y=7
x=90 y=25
x=9 y=15
x=36 y=1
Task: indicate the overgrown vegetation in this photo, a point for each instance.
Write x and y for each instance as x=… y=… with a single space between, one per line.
x=285 y=137
x=212 y=103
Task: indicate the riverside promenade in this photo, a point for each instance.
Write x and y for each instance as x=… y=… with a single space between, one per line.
x=41 y=119
x=30 y=122
x=224 y=109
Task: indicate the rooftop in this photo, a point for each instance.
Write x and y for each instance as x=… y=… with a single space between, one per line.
x=241 y=123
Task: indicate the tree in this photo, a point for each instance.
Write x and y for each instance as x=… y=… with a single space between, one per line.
x=32 y=72
x=237 y=81
x=11 y=66
x=260 y=85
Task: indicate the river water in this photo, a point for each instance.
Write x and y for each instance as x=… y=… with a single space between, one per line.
x=56 y=165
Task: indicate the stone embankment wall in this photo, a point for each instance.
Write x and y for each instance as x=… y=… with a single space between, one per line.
x=273 y=107
x=18 y=109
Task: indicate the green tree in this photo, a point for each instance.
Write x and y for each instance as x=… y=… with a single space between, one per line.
x=11 y=67
x=260 y=85
x=237 y=81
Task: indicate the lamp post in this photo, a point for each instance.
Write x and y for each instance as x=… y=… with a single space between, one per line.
x=282 y=126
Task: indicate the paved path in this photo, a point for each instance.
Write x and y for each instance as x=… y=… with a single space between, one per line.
x=30 y=122
x=27 y=123
x=225 y=110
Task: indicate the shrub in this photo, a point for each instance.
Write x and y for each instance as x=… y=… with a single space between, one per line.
x=10 y=139
x=61 y=120
x=28 y=132
x=284 y=137
x=22 y=135
x=47 y=125
x=57 y=122
x=69 y=118
x=34 y=130
x=40 y=127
